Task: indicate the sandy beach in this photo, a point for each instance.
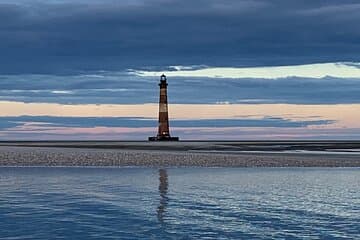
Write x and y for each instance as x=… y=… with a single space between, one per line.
x=196 y=154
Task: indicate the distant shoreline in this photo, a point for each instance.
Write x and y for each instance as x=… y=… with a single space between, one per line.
x=190 y=145
x=182 y=154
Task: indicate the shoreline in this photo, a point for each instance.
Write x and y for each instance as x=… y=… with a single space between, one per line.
x=28 y=156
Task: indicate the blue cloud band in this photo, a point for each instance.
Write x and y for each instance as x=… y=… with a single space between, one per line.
x=89 y=122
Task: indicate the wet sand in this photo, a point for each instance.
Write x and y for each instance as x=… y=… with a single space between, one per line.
x=181 y=154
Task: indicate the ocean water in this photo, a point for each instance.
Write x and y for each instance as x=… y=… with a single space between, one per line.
x=179 y=203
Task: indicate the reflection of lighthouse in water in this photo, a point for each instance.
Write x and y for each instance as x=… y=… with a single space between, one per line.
x=163 y=128
x=163 y=190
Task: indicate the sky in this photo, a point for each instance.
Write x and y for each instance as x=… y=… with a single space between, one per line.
x=237 y=69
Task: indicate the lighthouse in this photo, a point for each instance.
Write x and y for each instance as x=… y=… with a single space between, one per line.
x=163 y=128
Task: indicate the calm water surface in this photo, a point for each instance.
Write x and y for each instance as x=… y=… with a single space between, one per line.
x=179 y=203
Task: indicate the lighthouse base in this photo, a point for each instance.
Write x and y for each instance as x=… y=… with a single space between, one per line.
x=163 y=139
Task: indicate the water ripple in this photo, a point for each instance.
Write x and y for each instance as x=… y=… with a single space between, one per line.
x=180 y=203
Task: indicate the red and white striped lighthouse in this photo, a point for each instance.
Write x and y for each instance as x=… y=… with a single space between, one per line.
x=163 y=130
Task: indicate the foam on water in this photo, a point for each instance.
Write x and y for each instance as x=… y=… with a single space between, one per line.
x=222 y=203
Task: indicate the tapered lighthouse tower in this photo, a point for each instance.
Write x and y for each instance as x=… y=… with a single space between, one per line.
x=163 y=130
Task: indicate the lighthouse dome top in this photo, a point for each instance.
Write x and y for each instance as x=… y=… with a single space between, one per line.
x=163 y=77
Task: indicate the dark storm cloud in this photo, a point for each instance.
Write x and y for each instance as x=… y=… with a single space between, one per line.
x=67 y=36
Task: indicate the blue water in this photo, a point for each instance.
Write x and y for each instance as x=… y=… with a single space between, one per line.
x=179 y=203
